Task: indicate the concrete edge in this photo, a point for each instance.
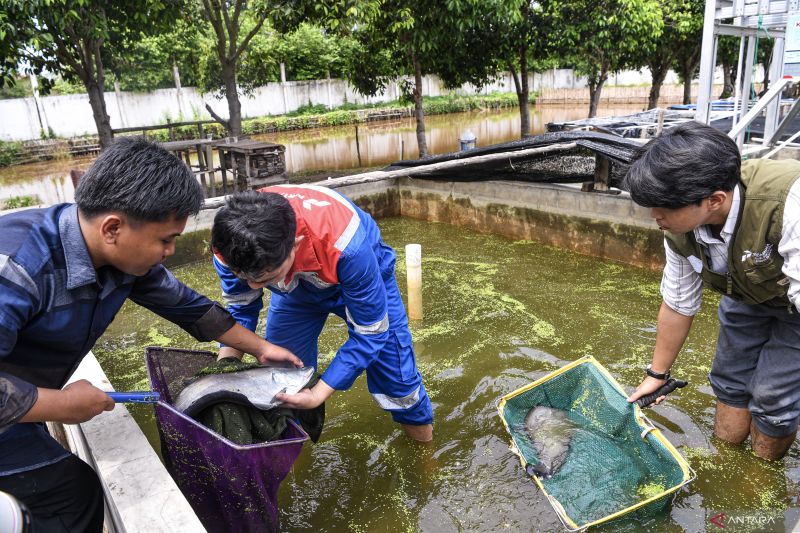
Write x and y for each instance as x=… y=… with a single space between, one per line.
x=140 y=494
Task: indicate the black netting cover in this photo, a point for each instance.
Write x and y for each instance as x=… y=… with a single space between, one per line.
x=564 y=166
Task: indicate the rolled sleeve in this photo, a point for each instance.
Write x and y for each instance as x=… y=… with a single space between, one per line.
x=19 y=299
x=789 y=246
x=17 y=396
x=160 y=292
x=366 y=308
x=681 y=285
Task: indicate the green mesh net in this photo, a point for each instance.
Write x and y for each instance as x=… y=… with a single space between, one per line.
x=610 y=468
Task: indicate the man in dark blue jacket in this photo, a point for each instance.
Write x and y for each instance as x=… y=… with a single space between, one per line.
x=65 y=271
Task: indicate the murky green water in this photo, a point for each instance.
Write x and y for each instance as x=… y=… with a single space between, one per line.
x=498 y=315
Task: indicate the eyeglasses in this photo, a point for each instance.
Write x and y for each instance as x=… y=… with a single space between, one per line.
x=265 y=278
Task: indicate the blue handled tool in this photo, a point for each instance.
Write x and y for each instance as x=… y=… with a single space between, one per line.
x=135 y=397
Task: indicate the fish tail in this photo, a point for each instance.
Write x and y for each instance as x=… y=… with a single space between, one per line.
x=539 y=470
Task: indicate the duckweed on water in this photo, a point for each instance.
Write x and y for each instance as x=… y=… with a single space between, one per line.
x=498 y=315
x=156 y=338
x=649 y=490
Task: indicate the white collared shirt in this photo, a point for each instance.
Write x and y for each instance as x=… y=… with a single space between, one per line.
x=681 y=285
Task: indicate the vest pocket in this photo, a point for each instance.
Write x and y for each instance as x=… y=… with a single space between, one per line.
x=764 y=272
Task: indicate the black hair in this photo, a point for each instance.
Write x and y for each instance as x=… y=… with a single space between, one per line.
x=140 y=179
x=685 y=165
x=254 y=232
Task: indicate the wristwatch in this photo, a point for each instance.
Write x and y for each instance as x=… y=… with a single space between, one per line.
x=653 y=374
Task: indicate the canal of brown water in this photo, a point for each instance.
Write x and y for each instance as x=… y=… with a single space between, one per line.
x=317 y=150
x=499 y=314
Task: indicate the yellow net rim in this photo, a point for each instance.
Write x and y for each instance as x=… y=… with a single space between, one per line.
x=641 y=420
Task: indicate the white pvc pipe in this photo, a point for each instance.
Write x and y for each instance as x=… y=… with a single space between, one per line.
x=414 y=280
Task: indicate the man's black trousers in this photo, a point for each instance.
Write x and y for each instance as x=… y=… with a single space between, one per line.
x=63 y=497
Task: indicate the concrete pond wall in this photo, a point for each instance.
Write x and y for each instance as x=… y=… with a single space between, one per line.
x=139 y=492
x=602 y=225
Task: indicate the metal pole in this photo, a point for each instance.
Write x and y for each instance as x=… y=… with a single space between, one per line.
x=746 y=85
x=43 y=127
x=708 y=60
x=358 y=147
x=737 y=88
x=776 y=135
x=775 y=74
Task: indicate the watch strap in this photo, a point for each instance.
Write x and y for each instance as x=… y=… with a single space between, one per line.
x=653 y=374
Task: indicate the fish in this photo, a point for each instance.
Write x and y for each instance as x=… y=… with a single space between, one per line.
x=550 y=432
x=256 y=386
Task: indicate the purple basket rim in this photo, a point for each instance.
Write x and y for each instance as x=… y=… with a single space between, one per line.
x=280 y=442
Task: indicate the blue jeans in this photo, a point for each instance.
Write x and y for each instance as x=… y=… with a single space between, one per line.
x=757 y=364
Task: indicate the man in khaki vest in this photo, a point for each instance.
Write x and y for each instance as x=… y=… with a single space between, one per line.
x=734 y=227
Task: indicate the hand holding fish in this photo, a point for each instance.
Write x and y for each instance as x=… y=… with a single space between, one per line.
x=307 y=398
x=239 y=339
x=648 y=386
x=270 y=354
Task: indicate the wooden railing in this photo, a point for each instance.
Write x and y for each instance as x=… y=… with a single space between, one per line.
x=168 y=126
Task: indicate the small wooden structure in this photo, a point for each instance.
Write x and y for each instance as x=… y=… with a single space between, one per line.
x=203 y=164
x=253 y=164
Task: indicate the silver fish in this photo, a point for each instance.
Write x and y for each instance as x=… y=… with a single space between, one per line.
x=550 y=432
x=256 y=386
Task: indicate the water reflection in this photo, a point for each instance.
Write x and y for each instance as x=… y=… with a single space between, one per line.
x=310 y=151
x=384 y=142
x=49 y=181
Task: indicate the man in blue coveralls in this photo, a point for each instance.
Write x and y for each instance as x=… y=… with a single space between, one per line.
x=319 y=254
x=65 y=271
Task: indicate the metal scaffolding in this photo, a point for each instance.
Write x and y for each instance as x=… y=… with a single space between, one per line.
x=749 y=20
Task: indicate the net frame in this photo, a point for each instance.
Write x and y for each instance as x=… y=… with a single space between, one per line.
x=230 y=486
x=650 y=436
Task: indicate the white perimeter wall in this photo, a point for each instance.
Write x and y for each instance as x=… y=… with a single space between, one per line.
x=71 y=115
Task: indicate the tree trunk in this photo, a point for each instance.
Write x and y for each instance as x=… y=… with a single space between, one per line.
x=689 y=66
x=93 y=77
x=687 y=90
x=659 y=73
x=234 y=124
x=418 y=112
x=523 y=92
x=595 y=87
x=728 y=80
x=101 y=118
x=766 y=64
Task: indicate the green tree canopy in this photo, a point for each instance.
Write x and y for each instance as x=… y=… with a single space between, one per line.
x=687 y=49
x=605 y=36
x=522 y=44
x=74 y=38
x=145 y=63
x=404 y=39
x=682 y=27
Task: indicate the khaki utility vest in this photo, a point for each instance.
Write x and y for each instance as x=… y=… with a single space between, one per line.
x=754 y=265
